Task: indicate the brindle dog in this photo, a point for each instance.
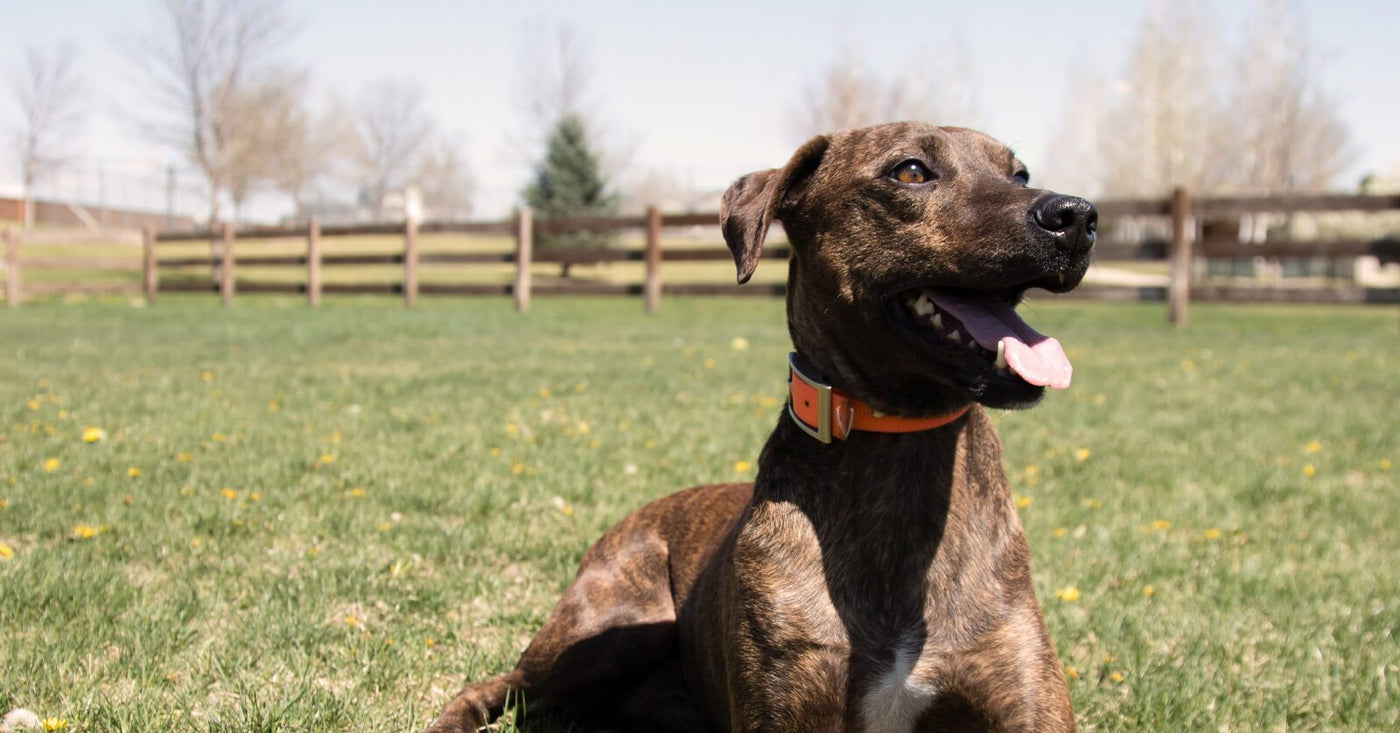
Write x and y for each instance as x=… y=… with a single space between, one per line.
x=879 y=582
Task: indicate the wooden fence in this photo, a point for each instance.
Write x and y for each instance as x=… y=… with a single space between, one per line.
x=229 y=250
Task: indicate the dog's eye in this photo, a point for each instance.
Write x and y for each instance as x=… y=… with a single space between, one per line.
x=1021 y=177
x=911 y=171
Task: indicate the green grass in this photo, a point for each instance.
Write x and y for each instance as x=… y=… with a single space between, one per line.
x=341 y=515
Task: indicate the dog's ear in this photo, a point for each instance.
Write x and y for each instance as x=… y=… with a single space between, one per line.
x=750 y=205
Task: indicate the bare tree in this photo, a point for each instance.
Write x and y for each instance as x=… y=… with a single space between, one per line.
x=391 y=128
x=203 y=57
x=1165 y=122
x=49 y=99
x=445 y=180
x=934 y=88
x=554 y=79
x=309 y=145
x=1288 y=135
x=1073 y=160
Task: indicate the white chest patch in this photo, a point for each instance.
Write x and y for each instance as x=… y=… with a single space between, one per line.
x=897 y=698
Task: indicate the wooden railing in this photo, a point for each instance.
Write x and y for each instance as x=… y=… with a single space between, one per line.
x=230 y=249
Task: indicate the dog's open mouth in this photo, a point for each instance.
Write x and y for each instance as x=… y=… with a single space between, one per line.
x=985 y=324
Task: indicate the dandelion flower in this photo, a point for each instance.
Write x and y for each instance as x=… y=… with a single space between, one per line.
x=207 y=376
x=1149 y=591
x=1312 y=447
x=1212 y=533
x=1116 y=676
x=86 y=531
x=1161 y=524
x=94 y=435
x=33 y=404
x=544 y=393
x=356 y=492
x=741 y=466
x=517 y=468
x=1385 y=464
x=739 y=344
x=1081 y=455
x=1071 y=672
x=6 y=552
x=1092 y=504
x=327 y=458
x=1068 y=593
x=1060 y=532
x=51 y=465
x=184 y=457
x=54 y=723
x=1310 y=470
x=229 y=494
x=133 y=472
x=352 y=621
x=709 y=363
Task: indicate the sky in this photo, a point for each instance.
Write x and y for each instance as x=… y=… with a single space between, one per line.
x=702 y=91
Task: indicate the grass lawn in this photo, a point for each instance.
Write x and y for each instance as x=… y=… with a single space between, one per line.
x=310 y=520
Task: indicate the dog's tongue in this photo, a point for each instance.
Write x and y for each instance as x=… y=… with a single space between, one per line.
x=990 y=321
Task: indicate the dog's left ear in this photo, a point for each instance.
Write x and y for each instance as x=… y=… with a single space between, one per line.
x=751 y=204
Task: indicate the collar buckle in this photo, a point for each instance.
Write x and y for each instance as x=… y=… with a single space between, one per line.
x=822 y=391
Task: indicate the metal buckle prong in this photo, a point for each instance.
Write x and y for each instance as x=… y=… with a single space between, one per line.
x=823 y=430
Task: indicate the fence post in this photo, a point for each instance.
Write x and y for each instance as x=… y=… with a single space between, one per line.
x=1179 y=289
x=523 y=256
x=410 y=261
x=150 y=281
x=11 y=267
x=226 y=267
x=313 y=262
x=652 y=289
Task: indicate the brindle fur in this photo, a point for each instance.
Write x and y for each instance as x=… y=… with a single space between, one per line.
x=880 y=583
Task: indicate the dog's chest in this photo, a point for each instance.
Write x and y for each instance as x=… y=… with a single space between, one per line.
x=899 y=694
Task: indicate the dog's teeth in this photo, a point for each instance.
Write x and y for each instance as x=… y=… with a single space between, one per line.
x=955 y=336
x=937 y=321
x=1001 y=355
x=923 y=306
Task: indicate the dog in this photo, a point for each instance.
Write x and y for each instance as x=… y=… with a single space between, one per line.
x=876 y=576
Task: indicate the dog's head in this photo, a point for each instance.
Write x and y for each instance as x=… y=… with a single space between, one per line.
x=911 y=247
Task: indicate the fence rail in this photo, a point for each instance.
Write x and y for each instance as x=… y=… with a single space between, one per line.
x=1181 y=251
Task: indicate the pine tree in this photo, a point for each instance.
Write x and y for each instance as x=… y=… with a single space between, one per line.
x=568 y=182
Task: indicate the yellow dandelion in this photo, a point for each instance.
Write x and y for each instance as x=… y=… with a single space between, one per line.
x=327 y=458
x=219 y=438
x=582 y=427
x=1060 y=532
x=4 y=503
x=709 y=363
x=385 y=527
x=1149 y=591
x=86 y=531
x=352 y=621
x=1032 y=469
x=1188 y=366
x=51 y=465
x=6 y=552
x=1312 y=447
x=768 y=401
x=513 y=429
x=649 y=444
x=1071 y=672
x=544 y=393
x=739 y=344
x=356 y=492
x=229 y=494
x=207 y=376
x=495 y=451
x=128 y=499
x=54 y=723
x=94 y=435
x=335 y=437
x=133 y=472
x=429 y=642
x=517 y=468
x=1092 y=503
x=1310 y=470
x=1161 y=524
x=1116 y=676
x=1082 y=454
x=741 y=466
x=1068 y=593
x=62 y=414
x=89 y=481
x=1024 y=501
x=33 y=405
x=1385 y=464
x=184 y=457
x=1212 y=533
x=255 y=496
x=580 y=388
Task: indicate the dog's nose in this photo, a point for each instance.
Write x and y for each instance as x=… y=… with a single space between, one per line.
x=1071 y=220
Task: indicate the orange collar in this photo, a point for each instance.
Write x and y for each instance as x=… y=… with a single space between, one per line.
x=823 y=411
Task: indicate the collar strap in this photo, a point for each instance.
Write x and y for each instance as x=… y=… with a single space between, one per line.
x=823 y=411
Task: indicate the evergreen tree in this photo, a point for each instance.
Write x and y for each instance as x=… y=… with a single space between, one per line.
x=568 y=182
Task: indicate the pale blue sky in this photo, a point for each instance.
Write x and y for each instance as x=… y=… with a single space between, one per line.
x=704 y=89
